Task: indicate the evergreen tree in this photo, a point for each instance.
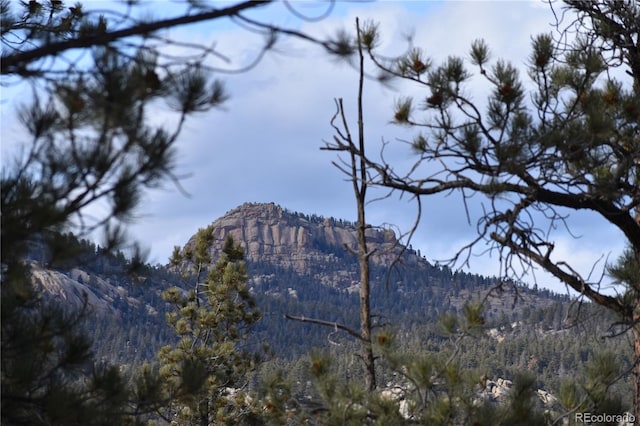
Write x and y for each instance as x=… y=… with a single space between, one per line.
x=206 y=374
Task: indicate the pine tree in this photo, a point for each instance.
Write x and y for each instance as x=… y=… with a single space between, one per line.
x=206 y=374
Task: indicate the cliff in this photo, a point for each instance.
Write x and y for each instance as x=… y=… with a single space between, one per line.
x=301 y=243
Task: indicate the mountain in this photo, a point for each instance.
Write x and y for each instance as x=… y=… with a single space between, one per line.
x=319 y=252
x=303 y=244
x=298 y=264
x=302 y=265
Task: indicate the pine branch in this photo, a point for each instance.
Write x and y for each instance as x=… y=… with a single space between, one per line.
x=15 y=63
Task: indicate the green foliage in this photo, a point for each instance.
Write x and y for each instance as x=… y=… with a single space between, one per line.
x=626 y=271
x=207 y=372
x=369 y=35
x=88 y=143
x=592 y=391
x=280 y=405
x=444 y=383
x=189 y=92
x=535 y=340
x=403 y=110
x=575 y=148
x=424 y=387
x=520 y=409
x=414 y=64
x=479 y=53
x=43 y=355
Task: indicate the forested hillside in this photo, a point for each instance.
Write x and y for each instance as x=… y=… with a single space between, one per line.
x=524 y=329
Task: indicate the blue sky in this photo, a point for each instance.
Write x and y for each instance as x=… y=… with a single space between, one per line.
x=264 y=146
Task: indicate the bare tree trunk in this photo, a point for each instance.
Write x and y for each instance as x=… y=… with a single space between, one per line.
x=356 y=168
x=365 y=302
x=359 y=177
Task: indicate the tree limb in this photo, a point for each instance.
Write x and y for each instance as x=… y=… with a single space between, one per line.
x=335 y=325
x=12 y=63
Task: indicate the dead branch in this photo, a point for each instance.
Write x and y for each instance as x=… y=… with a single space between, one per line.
x=335 y=325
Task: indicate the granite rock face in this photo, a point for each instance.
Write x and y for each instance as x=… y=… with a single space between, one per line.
x=304 y=244
x=78 y=289
x=70 y=292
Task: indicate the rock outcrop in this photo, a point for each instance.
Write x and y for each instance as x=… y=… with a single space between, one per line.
x=76 y=288
x=301 y=243
x=69 y=292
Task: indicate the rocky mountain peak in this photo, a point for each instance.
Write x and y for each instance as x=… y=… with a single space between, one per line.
x=295 y=241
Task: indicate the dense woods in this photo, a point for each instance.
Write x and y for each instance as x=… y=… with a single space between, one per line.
x=535 y=333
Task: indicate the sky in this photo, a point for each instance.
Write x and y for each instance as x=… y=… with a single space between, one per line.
x=264 y=145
